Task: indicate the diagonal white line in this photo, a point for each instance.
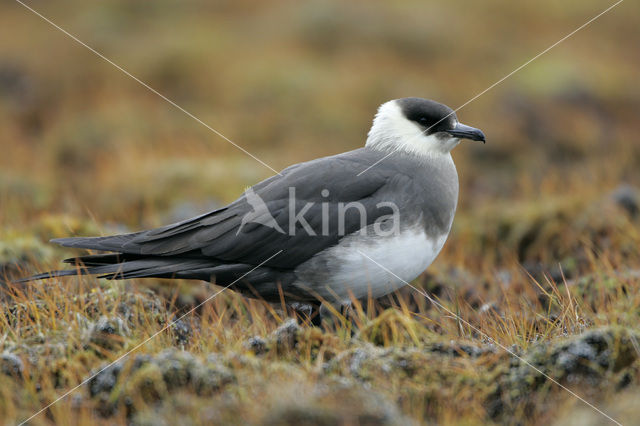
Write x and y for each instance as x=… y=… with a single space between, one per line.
x=537 y=56
x=145 y=341
x=148 y=87
x=377 y=162
x=507 y=76
x=435 y=302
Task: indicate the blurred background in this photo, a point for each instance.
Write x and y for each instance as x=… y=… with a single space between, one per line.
x=87 y=149
x=544 y=246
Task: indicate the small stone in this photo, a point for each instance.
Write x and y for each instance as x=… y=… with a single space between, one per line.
x=257 y=345
x=576 y=356
x=11 y=365
x=208 y=380
x=627 y=197
x=108 y=333
x=176 y=367
x=105 y=380
x=286 y=335
x=182 y=332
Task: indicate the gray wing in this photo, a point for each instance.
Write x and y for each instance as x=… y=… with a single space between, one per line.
x=223 y=237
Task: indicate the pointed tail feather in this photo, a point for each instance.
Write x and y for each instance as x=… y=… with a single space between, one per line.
x=111 y=243
x=51 y=274
x=85 y=265
x=119 y=266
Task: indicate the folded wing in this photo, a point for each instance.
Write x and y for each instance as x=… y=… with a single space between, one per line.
x=306 y=203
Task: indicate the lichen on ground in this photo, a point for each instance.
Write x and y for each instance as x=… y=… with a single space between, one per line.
x=391 y=368
x=538 y=283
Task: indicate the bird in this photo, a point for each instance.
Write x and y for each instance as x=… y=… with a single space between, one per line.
x=359 y=224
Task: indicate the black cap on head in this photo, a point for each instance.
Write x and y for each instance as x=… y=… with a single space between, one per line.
x=429 y=114
x=434 y=117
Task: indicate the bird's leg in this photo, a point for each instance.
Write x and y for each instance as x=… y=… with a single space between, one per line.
x=337 y=314
x=316 y=318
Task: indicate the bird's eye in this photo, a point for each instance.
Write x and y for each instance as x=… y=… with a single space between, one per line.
x=423 y=120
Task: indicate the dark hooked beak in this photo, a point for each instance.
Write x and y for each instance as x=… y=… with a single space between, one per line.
x=466 y=132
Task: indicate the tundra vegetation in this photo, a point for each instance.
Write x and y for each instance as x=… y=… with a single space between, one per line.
x=542 y=260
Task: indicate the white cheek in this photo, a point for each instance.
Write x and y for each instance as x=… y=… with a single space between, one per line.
x=392 y=131
x=428 y=144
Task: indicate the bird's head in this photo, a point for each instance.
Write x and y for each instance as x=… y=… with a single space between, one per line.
x=418 y=126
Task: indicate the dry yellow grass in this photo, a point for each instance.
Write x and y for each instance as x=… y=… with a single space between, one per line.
x=543 y=258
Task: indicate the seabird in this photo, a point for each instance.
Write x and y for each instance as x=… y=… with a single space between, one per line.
x=318 y=231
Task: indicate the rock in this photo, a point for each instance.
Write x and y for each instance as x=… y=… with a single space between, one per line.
x=286 y=336
x=257 y=345
x=589 y=358
x=105 y=380
x=108 y=333
x=137 y=306
x=359 y=357
x=455 y=349
x=608 y=349
x=573 y=357
x=209 y=379
x=176 y=367
x=103 y=384
x=182 y=332
x=627 y=197
x=151 y=379
x=11 y=365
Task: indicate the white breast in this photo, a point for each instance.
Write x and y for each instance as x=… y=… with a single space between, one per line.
x=360 y=266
